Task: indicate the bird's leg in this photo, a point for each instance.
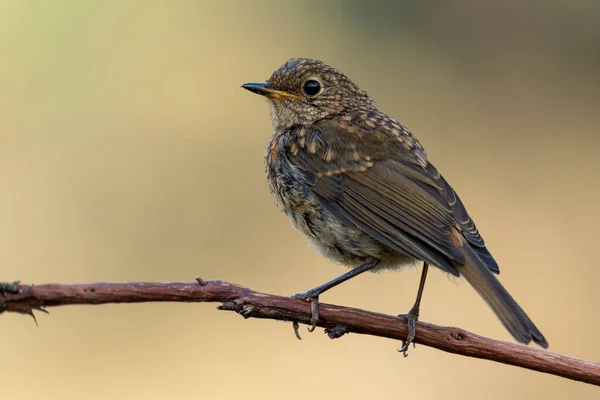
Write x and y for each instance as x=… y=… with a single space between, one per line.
x=313 y=294
x=413 y=315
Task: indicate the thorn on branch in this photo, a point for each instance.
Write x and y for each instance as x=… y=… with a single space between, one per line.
x=32 y=315
x=201 y=281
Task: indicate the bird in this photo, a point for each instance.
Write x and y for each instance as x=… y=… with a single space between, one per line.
x=360 y=186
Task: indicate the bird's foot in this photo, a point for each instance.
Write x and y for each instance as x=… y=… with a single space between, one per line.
x=412 y=316
x=313 y=297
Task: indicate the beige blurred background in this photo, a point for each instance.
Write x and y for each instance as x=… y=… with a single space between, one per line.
x=128 y=151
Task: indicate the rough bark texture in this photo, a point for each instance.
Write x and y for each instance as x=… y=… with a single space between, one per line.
x=337 y=320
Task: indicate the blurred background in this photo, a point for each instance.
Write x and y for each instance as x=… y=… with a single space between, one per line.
x=128 y=151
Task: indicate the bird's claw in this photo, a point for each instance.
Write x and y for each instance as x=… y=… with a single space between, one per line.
x=314 y=313
x=411 y=317
x=405 y=345
x=314 y=307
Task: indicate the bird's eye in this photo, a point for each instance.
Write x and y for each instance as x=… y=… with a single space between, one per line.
x=312 y=88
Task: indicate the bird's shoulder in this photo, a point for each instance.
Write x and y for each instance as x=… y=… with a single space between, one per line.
x=378 y=128
x=351 y=141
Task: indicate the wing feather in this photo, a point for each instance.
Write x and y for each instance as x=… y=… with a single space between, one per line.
x=393 y=198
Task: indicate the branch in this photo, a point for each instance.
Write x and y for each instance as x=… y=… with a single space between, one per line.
x=337 y=320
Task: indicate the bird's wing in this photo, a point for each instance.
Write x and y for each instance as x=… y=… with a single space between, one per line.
x=390 y=194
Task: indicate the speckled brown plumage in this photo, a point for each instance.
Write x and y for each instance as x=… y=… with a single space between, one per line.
x=360 y=186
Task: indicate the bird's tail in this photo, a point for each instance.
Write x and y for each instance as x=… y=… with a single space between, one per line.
x=506 y=308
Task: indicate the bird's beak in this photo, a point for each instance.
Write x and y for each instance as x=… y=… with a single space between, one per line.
x=265 y=90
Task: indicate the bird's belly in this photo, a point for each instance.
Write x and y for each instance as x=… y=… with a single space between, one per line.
x=335 y=240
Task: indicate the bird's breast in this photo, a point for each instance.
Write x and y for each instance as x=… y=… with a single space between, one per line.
x=289 y=191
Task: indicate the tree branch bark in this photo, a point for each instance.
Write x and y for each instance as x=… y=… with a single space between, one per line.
x=337 y=320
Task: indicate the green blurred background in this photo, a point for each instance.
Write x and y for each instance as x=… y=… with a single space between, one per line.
x=128 y=151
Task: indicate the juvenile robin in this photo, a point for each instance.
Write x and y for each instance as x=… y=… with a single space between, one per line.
x=360 y=187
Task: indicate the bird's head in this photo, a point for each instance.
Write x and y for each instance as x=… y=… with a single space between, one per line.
x=304 y=91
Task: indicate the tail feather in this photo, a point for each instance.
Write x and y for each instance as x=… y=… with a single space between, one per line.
x=497 y=297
